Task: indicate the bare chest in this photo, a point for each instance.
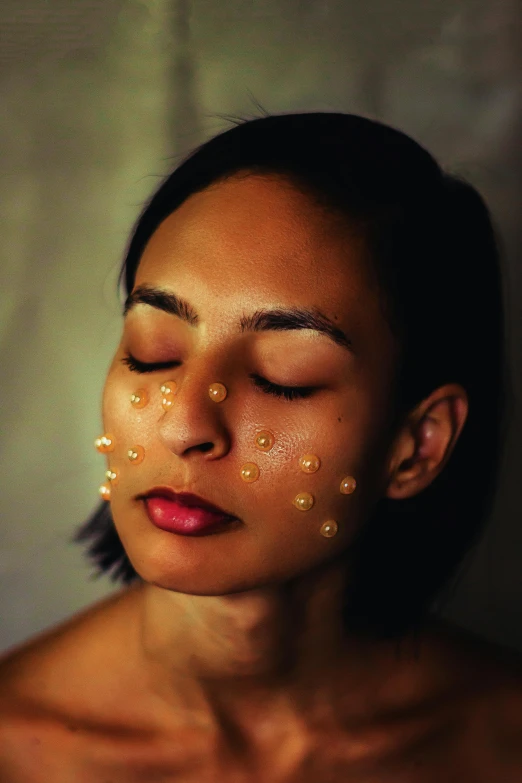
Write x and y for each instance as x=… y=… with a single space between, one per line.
x=41 y=753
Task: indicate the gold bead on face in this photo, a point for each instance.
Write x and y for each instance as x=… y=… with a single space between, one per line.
x=139 y=399
x=112 y=476
x=104 y=443
x=168 y=387
x=105 y=491
x=136 y=455
x=348 y=485
x=249 y=472
x=303 y=501
x=167 y=401
x=329 y=528
x=168 y=390
x=217 y=392
x=264 y=440
x=309 y=463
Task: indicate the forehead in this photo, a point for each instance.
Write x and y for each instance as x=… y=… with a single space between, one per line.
x=257 y=241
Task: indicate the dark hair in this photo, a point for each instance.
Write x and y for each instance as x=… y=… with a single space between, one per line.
x=431 y=240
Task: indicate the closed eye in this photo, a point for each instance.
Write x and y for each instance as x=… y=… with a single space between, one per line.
x=136 y=366
x=286 y=392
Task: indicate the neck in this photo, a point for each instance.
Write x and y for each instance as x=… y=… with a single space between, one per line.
x=279 y=651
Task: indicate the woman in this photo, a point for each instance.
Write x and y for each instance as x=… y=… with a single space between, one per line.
x=303 y=424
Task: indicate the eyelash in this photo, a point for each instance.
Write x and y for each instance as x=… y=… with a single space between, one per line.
x=286 y=392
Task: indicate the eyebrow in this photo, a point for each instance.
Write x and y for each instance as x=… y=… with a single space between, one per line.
x=278 y=319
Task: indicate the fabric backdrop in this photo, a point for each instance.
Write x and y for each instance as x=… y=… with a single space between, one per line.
x=99 y=99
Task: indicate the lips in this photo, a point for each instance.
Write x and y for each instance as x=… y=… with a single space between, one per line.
x=186 y=514
x=187 y=500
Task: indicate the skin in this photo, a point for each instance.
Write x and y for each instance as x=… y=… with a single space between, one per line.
x=244 y=628
x=231 y=649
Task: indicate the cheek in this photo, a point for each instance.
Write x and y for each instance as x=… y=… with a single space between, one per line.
x=130 y=416
x=309 y=471
x=131 y=407
x=122 y=416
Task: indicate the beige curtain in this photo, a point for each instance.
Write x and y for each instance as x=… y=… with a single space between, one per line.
x=99 y=99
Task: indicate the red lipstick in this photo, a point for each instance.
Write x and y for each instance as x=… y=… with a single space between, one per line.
x=185 y=513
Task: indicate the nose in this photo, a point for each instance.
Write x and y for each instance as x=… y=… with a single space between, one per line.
x=196 y=423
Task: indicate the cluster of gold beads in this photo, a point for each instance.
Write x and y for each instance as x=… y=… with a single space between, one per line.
x=168 y=390
x=304 y=501
x=308 y=463
x=264 y=441
x=140 y=398
x=112 y=477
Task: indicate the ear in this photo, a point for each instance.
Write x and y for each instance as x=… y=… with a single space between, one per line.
x=425 y=442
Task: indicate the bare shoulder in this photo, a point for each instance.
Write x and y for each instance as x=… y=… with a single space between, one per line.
x=53 y=691
x=72 y=706
x=492 y=663
x=491 y=709
x=495 y=737
x=41 y=668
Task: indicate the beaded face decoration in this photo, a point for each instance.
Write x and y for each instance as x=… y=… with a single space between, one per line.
x=263 y=441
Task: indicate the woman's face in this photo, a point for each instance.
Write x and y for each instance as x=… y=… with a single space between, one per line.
x=249 y=244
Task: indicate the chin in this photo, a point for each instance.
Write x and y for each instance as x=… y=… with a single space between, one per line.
x=200 y=586
x=180 y=576
x=213 y=565
x=214 y=580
